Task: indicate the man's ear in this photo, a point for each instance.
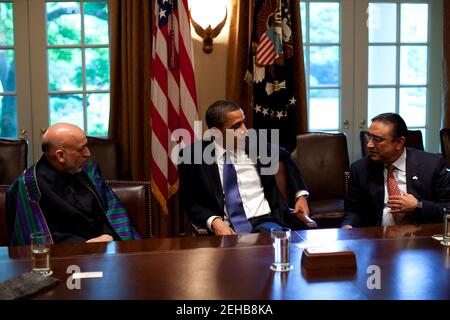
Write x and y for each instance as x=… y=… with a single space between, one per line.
x=60 y=156
x=401 y=142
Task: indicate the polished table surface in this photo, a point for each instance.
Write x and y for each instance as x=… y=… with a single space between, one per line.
x=412 y=266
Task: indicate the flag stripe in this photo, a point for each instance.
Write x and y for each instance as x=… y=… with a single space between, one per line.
x=174 y=98
x=265 y=52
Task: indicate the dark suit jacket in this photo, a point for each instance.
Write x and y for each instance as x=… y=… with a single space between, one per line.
x=202 y=194
x=426 y=178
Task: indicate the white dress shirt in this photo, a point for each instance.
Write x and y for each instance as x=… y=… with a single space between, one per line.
x=399 y=175
x=249 y=184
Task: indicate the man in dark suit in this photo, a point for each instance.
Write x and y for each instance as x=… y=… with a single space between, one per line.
x=205 y=191
x=395 y=184
x=65 y=196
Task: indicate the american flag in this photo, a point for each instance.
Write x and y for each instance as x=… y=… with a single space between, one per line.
x=265 y=52
x=174 y=99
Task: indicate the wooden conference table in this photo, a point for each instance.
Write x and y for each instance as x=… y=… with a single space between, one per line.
x=412 y=266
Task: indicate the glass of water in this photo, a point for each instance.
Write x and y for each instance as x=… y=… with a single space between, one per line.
x=446 y=235
x=281 y=245
x=40 y=253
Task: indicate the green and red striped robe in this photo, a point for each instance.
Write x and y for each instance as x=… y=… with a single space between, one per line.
x=24 y=193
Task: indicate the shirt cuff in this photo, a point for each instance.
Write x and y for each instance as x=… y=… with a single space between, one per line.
x=301 y=193
x=210 y=220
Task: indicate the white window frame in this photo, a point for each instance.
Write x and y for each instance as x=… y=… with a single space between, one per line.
x=32 y=92
x=354 y=72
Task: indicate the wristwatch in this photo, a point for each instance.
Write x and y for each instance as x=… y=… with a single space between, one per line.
x=419 y=204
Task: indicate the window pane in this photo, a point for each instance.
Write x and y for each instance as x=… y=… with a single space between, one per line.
x=64 y=69
x=413 y=65
x=97 y=69
x=6 y=24
x=382 y=22
x=303 y=18
x=63 y=23
x=66 y=108
x=382 y=65
x=96 y=23
x=98 y=114
x=324 y=110
x=324 y=22
x=380 y=100
x=324 y=69
x=7 y=71
x=8 y=117
x=414 y=22
x=413 y=106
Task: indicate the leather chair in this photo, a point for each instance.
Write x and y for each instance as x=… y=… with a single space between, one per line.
x=134 y=195
x=106 y=153
x=445 y=145
x=13 y=159
x=413 y=140
x=323 y=161
x=136 y=198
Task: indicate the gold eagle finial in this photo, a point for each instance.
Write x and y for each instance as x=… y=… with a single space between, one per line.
x=209 y=33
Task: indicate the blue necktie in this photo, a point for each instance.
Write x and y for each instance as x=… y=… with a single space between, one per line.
x=233 y=199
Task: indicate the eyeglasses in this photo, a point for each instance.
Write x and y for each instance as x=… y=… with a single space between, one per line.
x=375 y=139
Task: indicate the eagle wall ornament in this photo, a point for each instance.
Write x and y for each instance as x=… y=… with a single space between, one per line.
x=209 y=33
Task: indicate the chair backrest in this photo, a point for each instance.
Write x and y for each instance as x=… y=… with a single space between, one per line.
x=413 y=140
x=445 y=145
x=13 y=159
x=136 y=198
x=105 y=152
x=322 y=159
x=4 y=238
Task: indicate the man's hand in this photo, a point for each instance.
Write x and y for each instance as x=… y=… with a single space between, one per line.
x=102 y=238
x=220 y=228
x=402 y=204
x=347 y=226
x=301 y=206
x=301 y=212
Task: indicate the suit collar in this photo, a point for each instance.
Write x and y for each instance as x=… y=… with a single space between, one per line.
x=212 y=171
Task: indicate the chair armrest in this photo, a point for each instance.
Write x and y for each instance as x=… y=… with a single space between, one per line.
x=307 y=221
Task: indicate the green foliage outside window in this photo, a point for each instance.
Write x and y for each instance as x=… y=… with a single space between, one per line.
x=64 y=36
x=65 y=64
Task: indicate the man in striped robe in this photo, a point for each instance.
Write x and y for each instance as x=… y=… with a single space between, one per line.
x=65 y=196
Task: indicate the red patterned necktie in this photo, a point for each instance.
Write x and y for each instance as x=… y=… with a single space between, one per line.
x=393 y=190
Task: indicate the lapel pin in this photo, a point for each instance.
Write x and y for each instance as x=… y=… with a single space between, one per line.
x=415 y=178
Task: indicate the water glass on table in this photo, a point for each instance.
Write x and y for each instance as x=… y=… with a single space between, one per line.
x=446 y=235
x=40 y=253
x=281 y=245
